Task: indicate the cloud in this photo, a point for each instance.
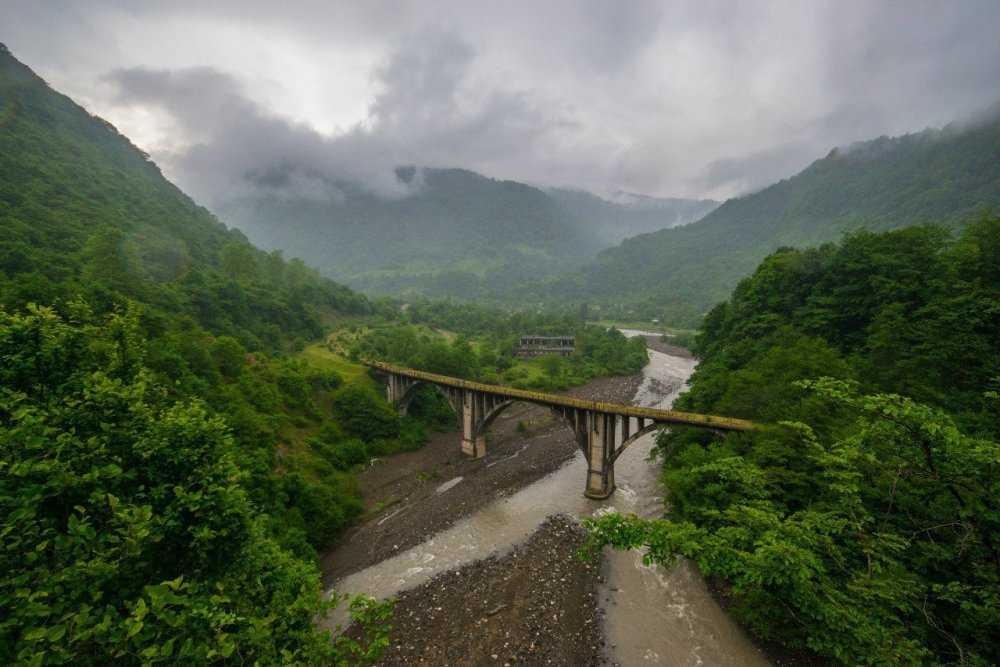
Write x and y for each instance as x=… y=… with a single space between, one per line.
x=428 y=112
x=229 y=145
x=752 y=172
x=686 y=98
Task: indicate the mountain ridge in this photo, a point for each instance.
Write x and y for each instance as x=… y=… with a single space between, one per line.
x=456 y=233
x=934 y=176
x=84 y=211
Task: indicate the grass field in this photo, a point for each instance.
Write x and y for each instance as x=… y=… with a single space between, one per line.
x=319 y=356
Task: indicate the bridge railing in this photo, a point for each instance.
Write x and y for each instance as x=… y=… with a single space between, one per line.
x=666 y=416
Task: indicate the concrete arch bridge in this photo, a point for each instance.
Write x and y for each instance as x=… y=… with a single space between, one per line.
x=602 y=430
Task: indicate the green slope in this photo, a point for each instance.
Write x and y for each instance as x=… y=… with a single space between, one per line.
x=84 y=211
x=940 y=176
x=168 y=476
x=457 y=233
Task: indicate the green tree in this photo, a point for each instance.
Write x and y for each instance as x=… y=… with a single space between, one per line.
x=126 y=535
x=553 y=365
x=239 y=261
x=890 y=555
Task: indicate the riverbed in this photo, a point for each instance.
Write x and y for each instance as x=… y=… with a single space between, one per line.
x=647 y=615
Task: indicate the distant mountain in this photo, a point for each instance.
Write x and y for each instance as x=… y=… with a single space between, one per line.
x=85 y=212
x=609 y=222
x=935 y=176
x=456 y=233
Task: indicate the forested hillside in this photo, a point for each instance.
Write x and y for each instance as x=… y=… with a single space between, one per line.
x=936 y=176
x=861 y=521
x=85 y=212
x=456 y=233
x=166 y=472
x=451 y=233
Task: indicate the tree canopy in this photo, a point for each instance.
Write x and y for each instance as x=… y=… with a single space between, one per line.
x=863 y=524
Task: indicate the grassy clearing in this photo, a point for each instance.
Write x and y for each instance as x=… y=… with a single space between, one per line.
x=319 y=356
x=525 y=370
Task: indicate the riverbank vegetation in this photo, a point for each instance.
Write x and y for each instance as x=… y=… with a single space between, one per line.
x=862 y=522
x=434 y=337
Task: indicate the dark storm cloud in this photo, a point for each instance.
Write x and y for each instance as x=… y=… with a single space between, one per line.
x=421 y=116
x=687 y=98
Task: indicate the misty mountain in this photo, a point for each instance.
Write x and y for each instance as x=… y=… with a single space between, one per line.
x=86 y=213
x=935 y=176
x=454 y=233
x=609 y=222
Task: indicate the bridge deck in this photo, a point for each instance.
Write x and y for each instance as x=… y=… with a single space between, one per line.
x=665 y=416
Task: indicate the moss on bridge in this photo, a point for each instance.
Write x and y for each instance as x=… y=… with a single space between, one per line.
x=656 y=415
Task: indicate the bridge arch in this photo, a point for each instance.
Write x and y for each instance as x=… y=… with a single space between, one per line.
x=410 y=392
x=491 y=416
x=645 y=430
x=559 y=414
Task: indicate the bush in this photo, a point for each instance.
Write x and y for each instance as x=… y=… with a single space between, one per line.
x=364 y=414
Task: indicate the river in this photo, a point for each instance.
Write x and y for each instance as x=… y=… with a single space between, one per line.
x=655 y=616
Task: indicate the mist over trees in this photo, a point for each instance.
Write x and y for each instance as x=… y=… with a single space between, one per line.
x=936 y=176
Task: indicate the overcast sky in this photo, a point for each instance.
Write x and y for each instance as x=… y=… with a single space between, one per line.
x=688 y=98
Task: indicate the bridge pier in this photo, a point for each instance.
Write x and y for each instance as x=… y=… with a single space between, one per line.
x=600 y=451
x=473 y=435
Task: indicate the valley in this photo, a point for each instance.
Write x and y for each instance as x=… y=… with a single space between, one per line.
x=219 y=442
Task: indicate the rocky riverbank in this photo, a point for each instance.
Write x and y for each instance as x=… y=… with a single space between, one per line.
x=418 y=494
x=534 y=606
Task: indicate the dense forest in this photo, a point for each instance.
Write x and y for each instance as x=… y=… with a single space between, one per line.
x=174 y=453
x=935 y=176
x=149 y=408
x=861 y=520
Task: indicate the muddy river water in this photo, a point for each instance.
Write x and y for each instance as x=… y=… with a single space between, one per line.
x=655 y=616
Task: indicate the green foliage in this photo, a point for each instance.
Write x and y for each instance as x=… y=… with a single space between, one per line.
x=871 y=535
x=907 y=311
x=429 y=406
x=127 y=535
x=599 y=351
x=888 y=556
x=159 y=499
x=365 y=415
x=889 y=183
